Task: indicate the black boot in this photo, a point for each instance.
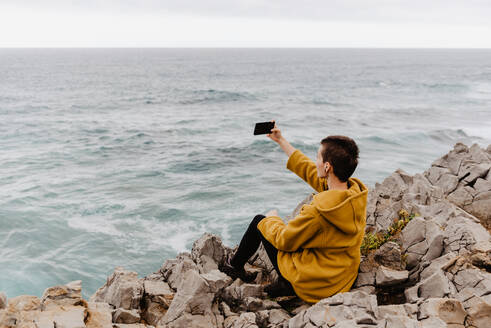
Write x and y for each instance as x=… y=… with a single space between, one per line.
x=235 y=273
x=280 y=288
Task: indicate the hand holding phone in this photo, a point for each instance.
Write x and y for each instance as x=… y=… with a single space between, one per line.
x=263 y=127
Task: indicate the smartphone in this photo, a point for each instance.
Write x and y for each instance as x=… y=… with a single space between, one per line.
x=263 y=128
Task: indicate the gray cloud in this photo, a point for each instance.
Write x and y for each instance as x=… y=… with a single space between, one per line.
x=461 y=12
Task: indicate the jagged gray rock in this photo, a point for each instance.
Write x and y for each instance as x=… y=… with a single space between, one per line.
x=63 y=295
x=354 y=308
x=122 y=289
x=389 y=255
x=208 y=252
x=388 y=277
x=192 y=305
x=3 y=300
x=157 y=298
x=99 y=315
x=121 y=315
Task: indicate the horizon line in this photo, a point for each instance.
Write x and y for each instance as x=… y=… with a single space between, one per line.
x=238 y=47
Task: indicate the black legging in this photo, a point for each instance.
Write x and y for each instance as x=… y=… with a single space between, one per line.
x=250 y=243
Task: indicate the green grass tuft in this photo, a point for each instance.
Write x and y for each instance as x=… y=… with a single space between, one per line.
x=374 y=241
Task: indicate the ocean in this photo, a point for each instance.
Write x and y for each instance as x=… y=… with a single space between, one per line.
x=124 y=157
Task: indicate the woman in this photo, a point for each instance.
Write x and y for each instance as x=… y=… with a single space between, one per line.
x=317 y=254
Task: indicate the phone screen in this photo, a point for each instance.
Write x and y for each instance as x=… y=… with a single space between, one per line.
x=263 y=128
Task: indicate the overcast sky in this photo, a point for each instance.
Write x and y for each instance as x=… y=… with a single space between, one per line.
x=246 y=23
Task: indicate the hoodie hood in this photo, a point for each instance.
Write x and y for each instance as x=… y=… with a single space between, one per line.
x=345 y=209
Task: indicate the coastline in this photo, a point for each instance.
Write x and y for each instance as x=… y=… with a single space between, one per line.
x=434 y=272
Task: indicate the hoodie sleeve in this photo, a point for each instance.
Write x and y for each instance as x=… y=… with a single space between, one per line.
x=290 y=237
x=306 y=169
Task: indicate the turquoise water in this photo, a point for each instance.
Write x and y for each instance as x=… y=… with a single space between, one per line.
x=126 y=156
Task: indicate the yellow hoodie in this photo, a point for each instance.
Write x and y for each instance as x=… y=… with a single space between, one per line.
x=319 y=249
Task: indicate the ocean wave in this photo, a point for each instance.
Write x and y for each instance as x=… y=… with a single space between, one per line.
x=96 y=224
x=152 y=173
x=95 y=130
x=401 y=138
x=217 y=96
x=148 y=100
x=200 y=164
x=447 y=135
x=480 y=91
x=186 y=121
x=481 y=132
x=322 y=101
x=445 y=87
x=382 y=140
x=206 y=195
x=184 y=131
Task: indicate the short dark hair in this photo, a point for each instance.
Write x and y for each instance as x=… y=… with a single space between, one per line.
x=342 y=153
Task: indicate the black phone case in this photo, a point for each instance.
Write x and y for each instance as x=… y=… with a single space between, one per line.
x=263 y=128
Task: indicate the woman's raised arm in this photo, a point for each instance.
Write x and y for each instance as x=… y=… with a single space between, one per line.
x=299 y=163
x=278 y=138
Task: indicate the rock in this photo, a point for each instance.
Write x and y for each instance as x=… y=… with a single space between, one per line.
x=433 y=322
x=448 y=310
x=441 y=263
x=389 y=277
x=158 y=292
x=356 y=307
x=173 y=271
x=157 y=298
x=391 y=310
x=230 y=321
x=194 y=298
x=216 y=280
x=453 y=159
x=239 y=290
x=122 y=289
x=126 y=316
x=98 y=315
x=63 y=295
x=64 y=316
x=479 y=312
x=272 y=318
x=399 y=321
x=208 y=252
x=7 y=319
x=436 y=285
x=411 y=310
x=462 y=234
x=481 y=205
x=482 y=260
x=254 y=304
x=384 y=201
x=245 y=320
x=413 y=233
x=226 y=310
x=442 y=177
x=467 y=278
x=3 y=300
x=389 y=255
x=24 y=303
x=367 y=289
x=482 y=185
x=364 y=279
